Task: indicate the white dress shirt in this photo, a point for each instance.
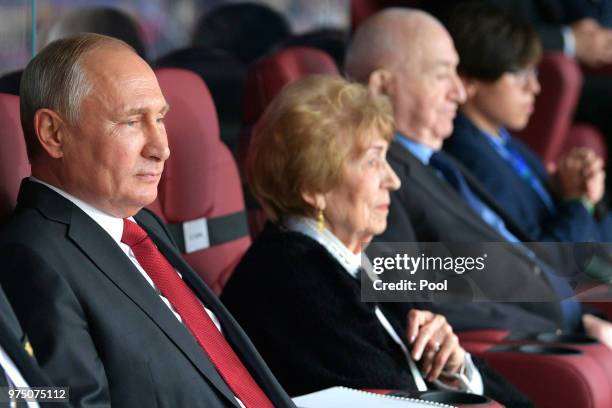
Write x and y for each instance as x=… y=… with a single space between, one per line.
x=351 y=262
x=114 y=228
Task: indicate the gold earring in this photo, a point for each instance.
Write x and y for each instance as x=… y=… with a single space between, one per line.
x=320 y=221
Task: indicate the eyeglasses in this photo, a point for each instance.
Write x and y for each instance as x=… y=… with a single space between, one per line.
x=523 y=76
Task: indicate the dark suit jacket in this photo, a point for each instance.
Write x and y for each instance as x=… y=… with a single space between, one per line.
x=98 y=326
x=570 y=222
x=13 y=341
x=426 y=206
x=312 y=327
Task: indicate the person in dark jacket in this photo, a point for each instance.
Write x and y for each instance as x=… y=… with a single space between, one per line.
x=501 y=85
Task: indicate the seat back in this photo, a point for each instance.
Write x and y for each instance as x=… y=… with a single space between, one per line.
x=14 y=164
x=268 y=75
x=585 y=135
x=265 y=79
x=224 y=76
x=547 y=131
x=331 y=41
x=200 y=194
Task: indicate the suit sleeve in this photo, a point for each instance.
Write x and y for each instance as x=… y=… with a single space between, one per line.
x=56 y=324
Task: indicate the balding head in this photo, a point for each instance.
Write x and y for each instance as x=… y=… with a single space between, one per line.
x=377 y=42
x=409 y=56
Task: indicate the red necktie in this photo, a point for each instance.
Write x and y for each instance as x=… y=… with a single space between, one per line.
x=194 y=316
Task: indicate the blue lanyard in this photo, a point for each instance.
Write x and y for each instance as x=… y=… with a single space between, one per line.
x=515 y=159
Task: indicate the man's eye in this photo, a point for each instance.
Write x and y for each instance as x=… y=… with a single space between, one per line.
x=161 y=119
x=131 y=123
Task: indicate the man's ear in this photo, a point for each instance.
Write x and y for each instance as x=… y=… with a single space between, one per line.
x=50 y=130
x=316 y=200
x=471 y=86
x=380 y=82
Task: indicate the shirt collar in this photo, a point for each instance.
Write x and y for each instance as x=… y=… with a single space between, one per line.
x=422 y=152
x=350 y=262
x=112 y=225
x=500 y=140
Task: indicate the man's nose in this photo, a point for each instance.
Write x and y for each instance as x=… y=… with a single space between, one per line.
x=157 y=142
x=458 y=91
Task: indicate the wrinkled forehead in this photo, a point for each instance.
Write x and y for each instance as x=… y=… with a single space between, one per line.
x=120 y=79
x=114 y=65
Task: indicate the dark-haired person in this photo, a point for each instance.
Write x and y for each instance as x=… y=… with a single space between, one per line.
x=318 y=167
x=501 y=85
x=568 y=26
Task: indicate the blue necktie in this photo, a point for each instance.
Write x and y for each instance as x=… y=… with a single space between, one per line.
x=570 y=307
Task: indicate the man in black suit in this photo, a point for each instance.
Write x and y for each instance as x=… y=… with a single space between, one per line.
x=409 y=56
x=112 y=310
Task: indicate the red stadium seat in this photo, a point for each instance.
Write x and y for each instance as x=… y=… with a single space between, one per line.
x=200 y=195
x=264 y=80
x=584 y=135
x=551 y=376
x=479 y=341
x=14 y=164
x=269 y=74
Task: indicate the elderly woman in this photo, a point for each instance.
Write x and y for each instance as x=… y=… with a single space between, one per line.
x=318 y=167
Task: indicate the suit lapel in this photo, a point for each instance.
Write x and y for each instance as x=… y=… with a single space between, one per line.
x=491 y=202
x=96 y=245
x=428 y=181
x=444 y=195
x=231 y=330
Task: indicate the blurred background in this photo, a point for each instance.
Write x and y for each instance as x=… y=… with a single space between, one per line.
x=25 y=25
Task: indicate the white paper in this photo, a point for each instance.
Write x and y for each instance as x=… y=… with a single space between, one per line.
x=341 y=397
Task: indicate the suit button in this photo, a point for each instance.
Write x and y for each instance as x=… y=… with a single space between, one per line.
x=537 y=271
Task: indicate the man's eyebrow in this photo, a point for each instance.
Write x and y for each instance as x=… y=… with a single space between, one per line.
x=141 y=110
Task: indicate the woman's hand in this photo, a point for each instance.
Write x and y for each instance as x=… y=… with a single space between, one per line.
x=434 y=345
